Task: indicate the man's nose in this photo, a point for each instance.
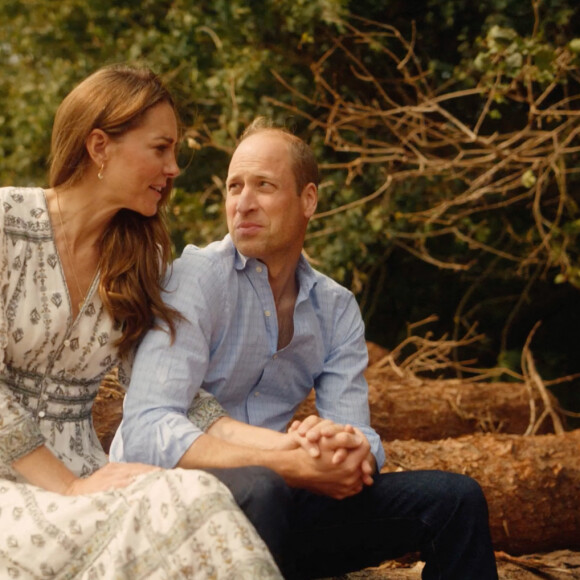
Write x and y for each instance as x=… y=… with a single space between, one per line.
x=246 y=200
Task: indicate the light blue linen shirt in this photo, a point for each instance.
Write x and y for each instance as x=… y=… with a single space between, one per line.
x=228 y=346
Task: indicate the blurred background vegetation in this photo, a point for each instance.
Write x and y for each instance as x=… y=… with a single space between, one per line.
x=447 y=132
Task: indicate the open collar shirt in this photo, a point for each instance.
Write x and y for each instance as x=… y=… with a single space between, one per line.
x=227 y=345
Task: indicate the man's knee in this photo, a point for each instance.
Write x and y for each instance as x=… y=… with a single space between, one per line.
x=470 y=492
x=463 y=496
x=463 y=487
x=438 y=494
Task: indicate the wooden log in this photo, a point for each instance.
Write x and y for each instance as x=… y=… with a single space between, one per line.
x=406 y=406
x=532 y=484
x=432 y=410
x=428 y=410
x=108 y=409
x=559 y=565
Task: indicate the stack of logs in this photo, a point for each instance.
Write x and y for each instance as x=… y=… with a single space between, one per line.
x=532 y=483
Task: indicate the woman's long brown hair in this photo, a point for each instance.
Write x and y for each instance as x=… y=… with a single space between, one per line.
x=135 y=250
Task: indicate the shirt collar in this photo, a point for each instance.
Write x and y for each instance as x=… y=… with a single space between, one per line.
x=305 y=272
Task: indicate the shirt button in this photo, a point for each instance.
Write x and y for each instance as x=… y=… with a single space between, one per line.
x=258 y=269
x=267 y=312
x=256 y=394
x=275 y=357
x=67 y=342
x=41 y=414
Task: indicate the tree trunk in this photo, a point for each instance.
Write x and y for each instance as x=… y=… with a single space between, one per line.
x=532 y=484
x=108 y=409
x=438 y=409
x=428 y=410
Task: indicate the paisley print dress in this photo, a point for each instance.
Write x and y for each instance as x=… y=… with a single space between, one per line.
x=167 y=524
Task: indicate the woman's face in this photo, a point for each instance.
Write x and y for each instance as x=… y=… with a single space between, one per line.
x=139 y=164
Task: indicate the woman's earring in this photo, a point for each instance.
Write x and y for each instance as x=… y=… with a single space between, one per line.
x=100 y=173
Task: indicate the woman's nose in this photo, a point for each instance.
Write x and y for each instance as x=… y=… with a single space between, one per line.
x=172 y=169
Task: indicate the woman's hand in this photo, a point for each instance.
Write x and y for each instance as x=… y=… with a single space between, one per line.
x=111 y=476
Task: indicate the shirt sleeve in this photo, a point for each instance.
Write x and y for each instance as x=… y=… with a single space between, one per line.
x=341 y=389
x=167 y=376
x=19 y=432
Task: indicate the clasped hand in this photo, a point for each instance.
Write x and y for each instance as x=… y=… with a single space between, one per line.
x=339 y=456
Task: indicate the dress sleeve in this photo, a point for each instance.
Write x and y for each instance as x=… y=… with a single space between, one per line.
x=19 y=433
x=205 y=410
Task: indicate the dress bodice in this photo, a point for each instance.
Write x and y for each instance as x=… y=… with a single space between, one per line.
x=52 y=364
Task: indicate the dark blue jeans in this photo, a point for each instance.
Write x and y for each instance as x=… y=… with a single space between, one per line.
x=441 y=515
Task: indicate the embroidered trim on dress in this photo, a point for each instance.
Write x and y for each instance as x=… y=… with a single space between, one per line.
x=205 y=410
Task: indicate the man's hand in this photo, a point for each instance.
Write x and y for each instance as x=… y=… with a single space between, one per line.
x=321 y=475
x=315 y=454
x=343 y=438
x=342 y=464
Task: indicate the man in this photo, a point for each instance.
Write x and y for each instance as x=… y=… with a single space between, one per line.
x=260 y=328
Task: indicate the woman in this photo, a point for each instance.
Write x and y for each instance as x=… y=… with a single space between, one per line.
x=80 y=271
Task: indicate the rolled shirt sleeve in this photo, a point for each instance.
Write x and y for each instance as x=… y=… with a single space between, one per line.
x=167 y=376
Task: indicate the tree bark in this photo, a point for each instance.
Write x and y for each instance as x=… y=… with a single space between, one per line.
x=108 y=409
x=532 y=484
x=428 y=410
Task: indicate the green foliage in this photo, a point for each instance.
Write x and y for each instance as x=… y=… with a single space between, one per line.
x=227 y=61
x=216 y=56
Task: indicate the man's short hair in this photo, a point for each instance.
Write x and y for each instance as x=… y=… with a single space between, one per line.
x=304 y=164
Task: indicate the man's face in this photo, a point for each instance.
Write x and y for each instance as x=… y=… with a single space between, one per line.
x=266 y=217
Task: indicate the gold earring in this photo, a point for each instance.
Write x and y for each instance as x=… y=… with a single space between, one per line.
x=100 y=173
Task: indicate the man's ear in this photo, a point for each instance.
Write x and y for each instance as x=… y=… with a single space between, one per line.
x=309 y=200
x=97 y=145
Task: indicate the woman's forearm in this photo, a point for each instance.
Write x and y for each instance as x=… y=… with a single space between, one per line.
x=41 y=468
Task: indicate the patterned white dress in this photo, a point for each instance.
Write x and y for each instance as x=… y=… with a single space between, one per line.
x=168 y=524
